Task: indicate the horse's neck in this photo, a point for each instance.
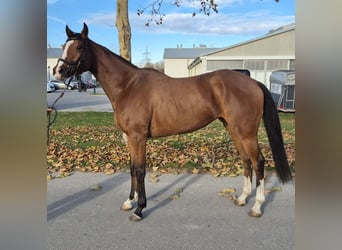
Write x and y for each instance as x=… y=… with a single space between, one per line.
x=112 y=72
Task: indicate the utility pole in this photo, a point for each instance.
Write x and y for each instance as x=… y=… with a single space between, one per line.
x=147 y=59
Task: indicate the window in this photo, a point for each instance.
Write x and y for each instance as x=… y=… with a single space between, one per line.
x=292 y=64
x=255 y=64
x=224 y=64
x=277 y=64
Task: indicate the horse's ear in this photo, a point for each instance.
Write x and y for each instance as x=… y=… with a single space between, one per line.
x=69 y=32
x=84 y=32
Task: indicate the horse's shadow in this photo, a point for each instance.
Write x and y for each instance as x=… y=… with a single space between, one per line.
x=191 y=179
x=66 y=204
x=274 y=182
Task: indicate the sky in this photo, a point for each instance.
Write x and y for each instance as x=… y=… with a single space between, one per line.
x=237 y=21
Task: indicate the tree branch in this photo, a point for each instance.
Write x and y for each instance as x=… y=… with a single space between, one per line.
x=207 y=7
x=157 y=16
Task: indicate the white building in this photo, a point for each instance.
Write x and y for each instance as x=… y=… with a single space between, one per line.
x=177 y=60
x=52 y=56
x=261 y=56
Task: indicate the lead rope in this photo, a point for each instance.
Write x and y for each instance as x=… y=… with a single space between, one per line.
x=52 y=112
x=52 y=118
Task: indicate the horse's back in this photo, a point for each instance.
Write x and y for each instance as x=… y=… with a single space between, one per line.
x=233 y=90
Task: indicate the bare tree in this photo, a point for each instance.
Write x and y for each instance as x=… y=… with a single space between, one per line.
x=124 y=28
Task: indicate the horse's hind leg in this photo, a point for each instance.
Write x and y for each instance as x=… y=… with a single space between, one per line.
x=248 y=148
x=248 y=171
x=247 y=184
x=257 y=161
x=260 y=187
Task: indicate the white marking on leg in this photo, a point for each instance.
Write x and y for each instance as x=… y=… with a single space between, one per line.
x=247 y=190
x=128 y=204
x=259 y=200
x=125 y=138
x=60 y=63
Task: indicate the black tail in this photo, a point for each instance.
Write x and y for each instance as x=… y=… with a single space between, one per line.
x=275 y=138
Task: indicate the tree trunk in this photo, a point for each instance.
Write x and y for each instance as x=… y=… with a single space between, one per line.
x=124 y=29
x=124 y=32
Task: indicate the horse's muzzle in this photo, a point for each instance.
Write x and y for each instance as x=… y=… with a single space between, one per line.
x=60 y=72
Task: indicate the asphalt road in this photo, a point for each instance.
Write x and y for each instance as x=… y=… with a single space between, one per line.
x=73 y=100
x=80 y=218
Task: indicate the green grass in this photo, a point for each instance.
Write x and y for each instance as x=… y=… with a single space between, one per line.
x=79 y=119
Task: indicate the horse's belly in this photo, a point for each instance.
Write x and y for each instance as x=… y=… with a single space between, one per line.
x=184 y=123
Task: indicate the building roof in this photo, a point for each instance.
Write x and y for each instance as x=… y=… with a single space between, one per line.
x=186 y=53
x=54 y=52
x=272 y=32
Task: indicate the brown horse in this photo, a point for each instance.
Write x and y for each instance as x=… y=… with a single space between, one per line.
x=150 y=104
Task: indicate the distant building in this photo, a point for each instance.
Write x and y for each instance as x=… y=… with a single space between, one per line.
x=52 y=56
x=261 y=56
x=177 y=60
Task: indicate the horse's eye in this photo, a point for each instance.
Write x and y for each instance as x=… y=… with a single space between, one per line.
x=79 y=47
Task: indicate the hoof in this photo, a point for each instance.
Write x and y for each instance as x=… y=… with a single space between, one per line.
x=239 y=203
x=125 y=207
x=254 y=214
x=135 y=218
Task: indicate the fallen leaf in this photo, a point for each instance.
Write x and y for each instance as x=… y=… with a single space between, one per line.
x=228 y=190
x=174 y=197
x=216 y=175
x=228 y=195
x=277 y=189
x=96 y=187
x=154 y=179
x=63 y=170
x=195 y=170
x=109 y=165
x=154 y=175
x=63 y=174
x=110 y=171
x=232 y=197
x=176 y=172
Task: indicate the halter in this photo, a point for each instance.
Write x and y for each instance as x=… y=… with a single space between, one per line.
x=73 y=66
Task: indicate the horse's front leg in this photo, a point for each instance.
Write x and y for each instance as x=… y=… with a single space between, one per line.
x=133 y=195
x=137 y=146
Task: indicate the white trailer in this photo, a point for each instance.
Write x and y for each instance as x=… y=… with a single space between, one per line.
x=282 y=88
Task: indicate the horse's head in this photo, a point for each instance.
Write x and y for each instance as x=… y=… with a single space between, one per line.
x=74 y=58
